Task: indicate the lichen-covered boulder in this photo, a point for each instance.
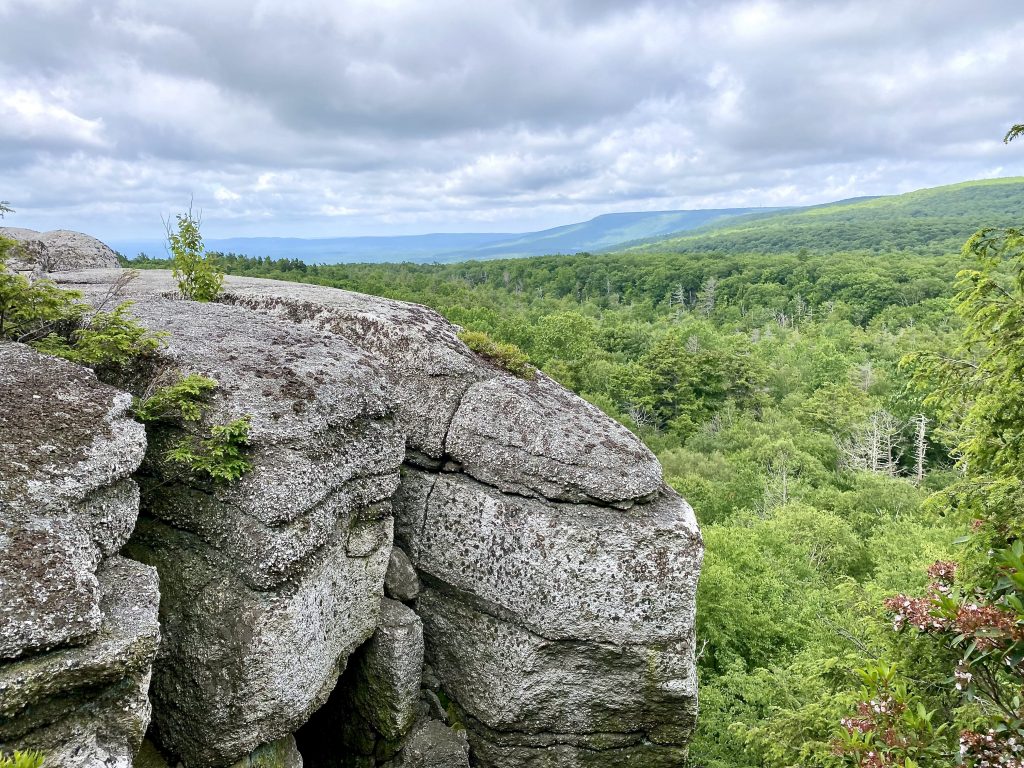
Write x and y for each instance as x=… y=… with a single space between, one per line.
x=556 y=623
x=535 y=438
x=57 y=251
x=78 y=623
x=66 y=500
x=269 y=582
x=555 y=573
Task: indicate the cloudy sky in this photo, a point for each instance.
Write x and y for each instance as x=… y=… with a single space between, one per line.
x=307 y=118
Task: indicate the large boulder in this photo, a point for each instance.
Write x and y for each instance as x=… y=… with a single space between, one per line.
x=57 y=251
x=269 y=583
x=78 y=623
x=555 y=573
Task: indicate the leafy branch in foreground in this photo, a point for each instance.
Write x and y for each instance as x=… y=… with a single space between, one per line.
x=507 y=356
x=56 y=322
x=220 y=453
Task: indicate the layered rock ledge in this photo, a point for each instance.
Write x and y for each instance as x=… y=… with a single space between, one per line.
x=541 y=574
x=78 y=623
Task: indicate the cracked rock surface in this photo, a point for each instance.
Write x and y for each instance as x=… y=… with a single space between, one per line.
x=551 y=570
x=78 y=623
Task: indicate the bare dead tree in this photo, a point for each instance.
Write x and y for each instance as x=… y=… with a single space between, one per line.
x=920 y=423
x=706 y=296
x=875 y=445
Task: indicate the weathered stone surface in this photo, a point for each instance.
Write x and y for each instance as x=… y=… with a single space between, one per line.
x=559 y=573
x=278 y=754
x=432 y=744
x=535 y=438
x=68 y=447
x=426 y=367
x=239 y=664
x=269 y=583
x=400 y=581
x=58 y=251
x=563 y=571
x=514 y=680
x=88 y=706
x=387 y=683
x=561 y=622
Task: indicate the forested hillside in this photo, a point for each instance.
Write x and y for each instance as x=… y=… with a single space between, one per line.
x=780 y=392
x=933 y=221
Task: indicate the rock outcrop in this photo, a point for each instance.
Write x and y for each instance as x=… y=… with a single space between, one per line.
x=535 y=560
x=78 y=623
x=269 y=583
x=57 y=251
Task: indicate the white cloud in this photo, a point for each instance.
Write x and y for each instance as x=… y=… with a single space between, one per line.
x=318 y=118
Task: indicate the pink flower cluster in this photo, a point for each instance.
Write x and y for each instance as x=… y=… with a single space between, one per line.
x=991 y=750
x=990 y=626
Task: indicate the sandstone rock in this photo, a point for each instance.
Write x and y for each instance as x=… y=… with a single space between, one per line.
x=535 y=438
x=562 y=619
x=558 y=572
x=270 y=582
x=388 y=672
x=433 y=745
x=88 y=706
x=563 y=571
x=68 y=447
x=401 y=582
x=426 y=368
x=239 y=664
x=58 y=251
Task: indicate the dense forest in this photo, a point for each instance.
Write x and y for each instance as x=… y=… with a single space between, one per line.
x=815 y=406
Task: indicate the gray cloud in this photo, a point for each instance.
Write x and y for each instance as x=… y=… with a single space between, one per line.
x=317 y=118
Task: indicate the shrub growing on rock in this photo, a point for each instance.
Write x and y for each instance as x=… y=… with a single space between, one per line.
x=507 y=356
x=220 y=453
x=197 y=277
x=18 y=759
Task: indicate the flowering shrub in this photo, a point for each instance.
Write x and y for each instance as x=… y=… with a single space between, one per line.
x=984 y=626
x=891 y=727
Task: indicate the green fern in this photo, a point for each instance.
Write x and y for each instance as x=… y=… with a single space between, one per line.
x=16 y=759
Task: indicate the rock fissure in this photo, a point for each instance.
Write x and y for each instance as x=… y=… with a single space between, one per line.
x=556 y=626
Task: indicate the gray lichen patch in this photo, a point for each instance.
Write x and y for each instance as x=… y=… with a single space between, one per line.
x=62 y=432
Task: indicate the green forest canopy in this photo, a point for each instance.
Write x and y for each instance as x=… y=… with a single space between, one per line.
x=769 y=382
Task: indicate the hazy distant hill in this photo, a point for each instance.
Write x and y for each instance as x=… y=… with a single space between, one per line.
x=601 y=233
x=935 y=220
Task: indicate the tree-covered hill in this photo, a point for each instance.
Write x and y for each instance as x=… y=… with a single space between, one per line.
x=932 y=221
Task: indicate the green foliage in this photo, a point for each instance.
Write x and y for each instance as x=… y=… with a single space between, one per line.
x=5 y=207
x=29 y=309
x=221 y=455
x=17 y=759
x=748 y=400
x=184 y=399
x=507 y=356
x=198 y=278
x=106 y=338
x=55 y=322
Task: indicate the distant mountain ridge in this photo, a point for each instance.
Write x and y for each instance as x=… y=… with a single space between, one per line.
x=934 y=220
x=601 y=233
